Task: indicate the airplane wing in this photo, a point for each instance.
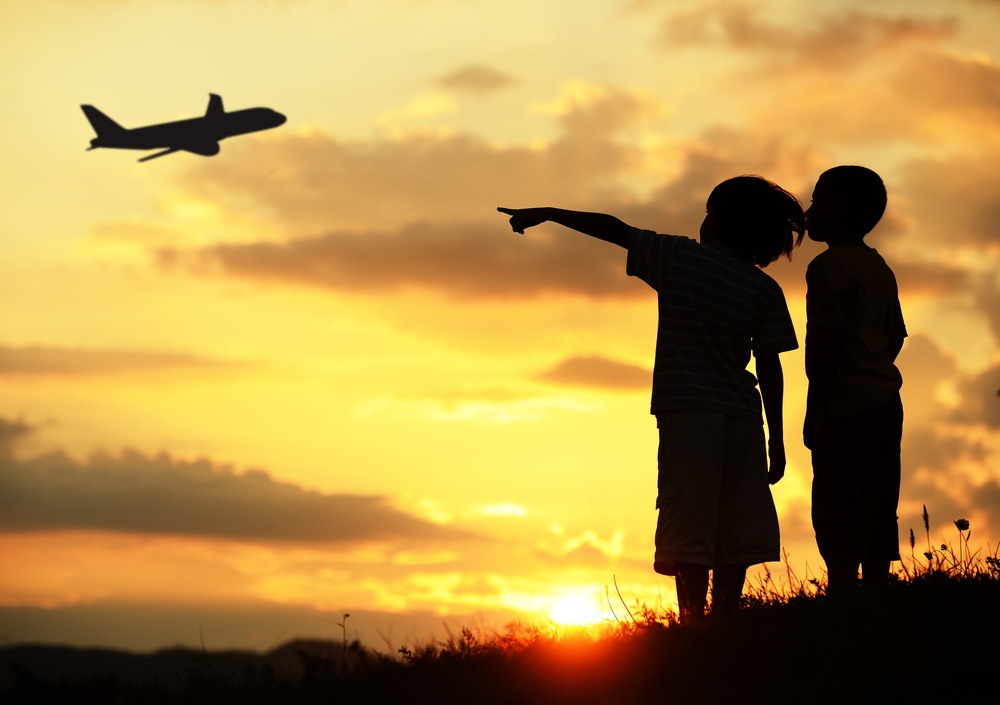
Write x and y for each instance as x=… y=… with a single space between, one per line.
x=160 y=154
x=205 y=149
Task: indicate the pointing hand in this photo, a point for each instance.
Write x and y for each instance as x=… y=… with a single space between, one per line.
x=523 y=218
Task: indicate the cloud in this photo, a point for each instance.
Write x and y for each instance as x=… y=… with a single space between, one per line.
x=137 y=493
x=11 y=432
x=42 y=360
x=321 y=183
x=587 y=549
x=930 y=279
x=475 y=78
x=987 y=298
x=471 y=407
x=948 y=446
x=884 y=78
x=953 y=206
x=938 y=82
x=387 y=216
x=981 y=398
x=986 y=497
x=586 y=110
x=717 y=154
x=597 y=371
x=418 y=115
x=475 y=260
x=955 y=201
x=832 y=43
x=459 y=245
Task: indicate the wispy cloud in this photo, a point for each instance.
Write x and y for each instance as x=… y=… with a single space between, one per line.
x=831 y=42
x=598 y=371
x=48 y=360
x=475 y=78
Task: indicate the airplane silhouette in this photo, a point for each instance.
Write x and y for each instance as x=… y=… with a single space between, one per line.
x=199 y=135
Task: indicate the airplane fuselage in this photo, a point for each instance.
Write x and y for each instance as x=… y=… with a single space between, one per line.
x=199 y=135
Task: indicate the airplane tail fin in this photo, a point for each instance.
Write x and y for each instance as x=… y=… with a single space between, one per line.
x=102 y=124
x=215 y=108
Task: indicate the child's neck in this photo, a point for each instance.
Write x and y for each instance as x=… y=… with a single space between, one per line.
x=734 y=252
x=838 y=240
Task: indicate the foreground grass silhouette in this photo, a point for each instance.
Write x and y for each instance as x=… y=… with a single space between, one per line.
x=931 y=634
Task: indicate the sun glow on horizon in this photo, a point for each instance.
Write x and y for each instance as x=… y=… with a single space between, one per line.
x=575 y=610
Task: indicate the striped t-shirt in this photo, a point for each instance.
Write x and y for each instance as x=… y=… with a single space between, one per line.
x=714 y=311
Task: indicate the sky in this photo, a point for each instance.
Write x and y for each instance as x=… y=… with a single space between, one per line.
x=315 y=375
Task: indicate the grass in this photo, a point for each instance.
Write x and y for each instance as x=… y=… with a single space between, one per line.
x=929 y=635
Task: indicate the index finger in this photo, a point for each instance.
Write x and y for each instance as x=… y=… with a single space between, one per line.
x=508 y=211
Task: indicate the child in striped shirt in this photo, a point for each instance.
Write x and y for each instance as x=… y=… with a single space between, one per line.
x=716 y=309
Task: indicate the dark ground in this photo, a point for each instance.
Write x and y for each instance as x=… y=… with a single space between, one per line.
x=935 y=637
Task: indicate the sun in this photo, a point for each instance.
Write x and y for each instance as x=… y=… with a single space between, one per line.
x=575 y=610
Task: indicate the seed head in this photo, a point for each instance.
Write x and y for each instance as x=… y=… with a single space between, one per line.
x=962 y=524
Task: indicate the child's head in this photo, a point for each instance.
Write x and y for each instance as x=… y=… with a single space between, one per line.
x=755 y=217
x=848 y=202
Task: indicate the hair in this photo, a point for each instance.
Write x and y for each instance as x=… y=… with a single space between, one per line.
x=757 y=218
x=862 y=193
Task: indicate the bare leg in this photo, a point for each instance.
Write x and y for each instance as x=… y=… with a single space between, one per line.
x=692 y=591
x=727 y=587
x=875 y=575
x=842 y=578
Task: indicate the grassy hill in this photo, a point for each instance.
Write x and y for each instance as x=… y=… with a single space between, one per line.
x=932 y=634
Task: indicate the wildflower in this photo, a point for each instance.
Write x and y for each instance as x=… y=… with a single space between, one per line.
x=962 y=524
x=928 y=555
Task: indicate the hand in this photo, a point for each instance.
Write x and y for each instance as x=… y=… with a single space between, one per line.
x=812 y=430
x=776 y=456
x=524 y=218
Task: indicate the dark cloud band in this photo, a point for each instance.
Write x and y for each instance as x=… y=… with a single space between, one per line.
x=163 y=495
x=471 y=260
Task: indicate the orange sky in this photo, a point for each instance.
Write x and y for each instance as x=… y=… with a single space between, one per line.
x=318 y=374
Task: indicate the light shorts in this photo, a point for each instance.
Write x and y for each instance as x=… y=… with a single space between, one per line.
x=715 y=505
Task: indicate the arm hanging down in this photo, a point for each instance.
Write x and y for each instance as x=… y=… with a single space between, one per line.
x=772 y=389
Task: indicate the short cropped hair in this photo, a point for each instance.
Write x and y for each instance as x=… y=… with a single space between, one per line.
x=757 y=218
x=863 y=195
